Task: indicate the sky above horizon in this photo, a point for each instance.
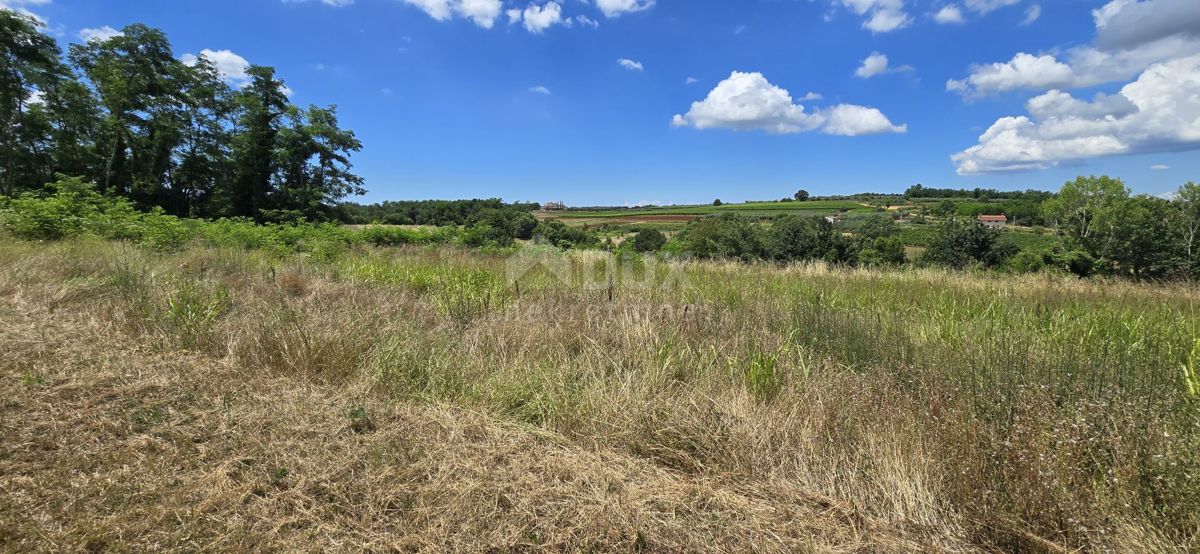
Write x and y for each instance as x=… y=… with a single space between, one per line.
x=625 y=102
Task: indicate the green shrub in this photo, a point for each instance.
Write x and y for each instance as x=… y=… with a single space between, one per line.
x=649 y=240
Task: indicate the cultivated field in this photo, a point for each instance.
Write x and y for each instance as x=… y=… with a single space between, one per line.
x=414 y=399
x=685 y=213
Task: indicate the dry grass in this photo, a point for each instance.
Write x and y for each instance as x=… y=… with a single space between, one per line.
x=402 y=400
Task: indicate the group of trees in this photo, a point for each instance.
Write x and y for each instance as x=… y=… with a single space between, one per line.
x=1102 y=228
x=921 y=191
x=1139 y=236
x=786 y=238
x=128 y=115
x=425 y=212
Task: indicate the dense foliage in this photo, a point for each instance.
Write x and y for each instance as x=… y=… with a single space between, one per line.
x=129 y=115
x=921 y=191
x=424 y=212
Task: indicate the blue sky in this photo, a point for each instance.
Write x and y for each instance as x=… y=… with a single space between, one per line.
x=445 y=93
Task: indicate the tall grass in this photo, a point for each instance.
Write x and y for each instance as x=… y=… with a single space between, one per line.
x=994 y=411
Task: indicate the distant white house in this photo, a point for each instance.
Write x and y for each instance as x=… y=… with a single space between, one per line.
x=994 y=221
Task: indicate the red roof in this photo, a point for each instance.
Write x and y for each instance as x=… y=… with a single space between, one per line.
x=994 y=218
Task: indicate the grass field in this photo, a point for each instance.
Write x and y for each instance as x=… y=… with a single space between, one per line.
x=814 y=207
x=414 y=399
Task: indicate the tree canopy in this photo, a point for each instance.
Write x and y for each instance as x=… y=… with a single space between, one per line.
x=129 y=115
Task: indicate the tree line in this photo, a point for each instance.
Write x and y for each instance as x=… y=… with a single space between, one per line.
x=921 y=191
x=425 y=212
x=1102 y=229
x=128 y=115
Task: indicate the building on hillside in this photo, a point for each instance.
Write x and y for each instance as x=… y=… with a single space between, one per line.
x=554 y=206
x=994 y=221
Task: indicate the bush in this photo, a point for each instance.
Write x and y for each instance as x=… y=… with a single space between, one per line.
x=958 y=244
x=726 y=236
x=70 y=210
x=563 y=236
x=649 y=240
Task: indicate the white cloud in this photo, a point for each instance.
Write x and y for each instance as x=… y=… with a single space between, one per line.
x=985 y=6
x=1160 y=167
x=585 y=21
x=630 y=64
x=1128 y=23
x=1130 y=36
x=811 y=96
x=882 y=15
x=873 y=65
x=540 y=90
x=748 y=102
x=1032 y=13
x=877 y=64
x=100 y=34
x=539 y=18
x=951 y=14
x=230 y=66
x=1159 y=112
x=482 y=12
x=692 y=80
x=614 y=8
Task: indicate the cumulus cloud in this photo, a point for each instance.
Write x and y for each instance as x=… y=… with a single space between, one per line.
x=748 y=102
x=230 y=66
x=1159 y=112
x=950 y=14
x=99 y=34
x=877 y=64
x=882 y=16
x=539 y=18
x=630 y=64
x=540 y=90
x=1130 y=36
x=1128 y=23
x=614 y=8
x=482 y=12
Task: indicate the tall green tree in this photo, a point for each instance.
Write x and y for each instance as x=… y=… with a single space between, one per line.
x=1084 y=205
x=1141 y=237
x=203 y=165
x=29 y=64
x=260 y=107
x=1187 y=198
x=138 y=79
x=314 y=163
x=77 y=130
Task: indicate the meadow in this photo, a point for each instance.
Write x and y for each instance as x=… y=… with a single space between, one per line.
x=764 y=209
x=216 y=394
